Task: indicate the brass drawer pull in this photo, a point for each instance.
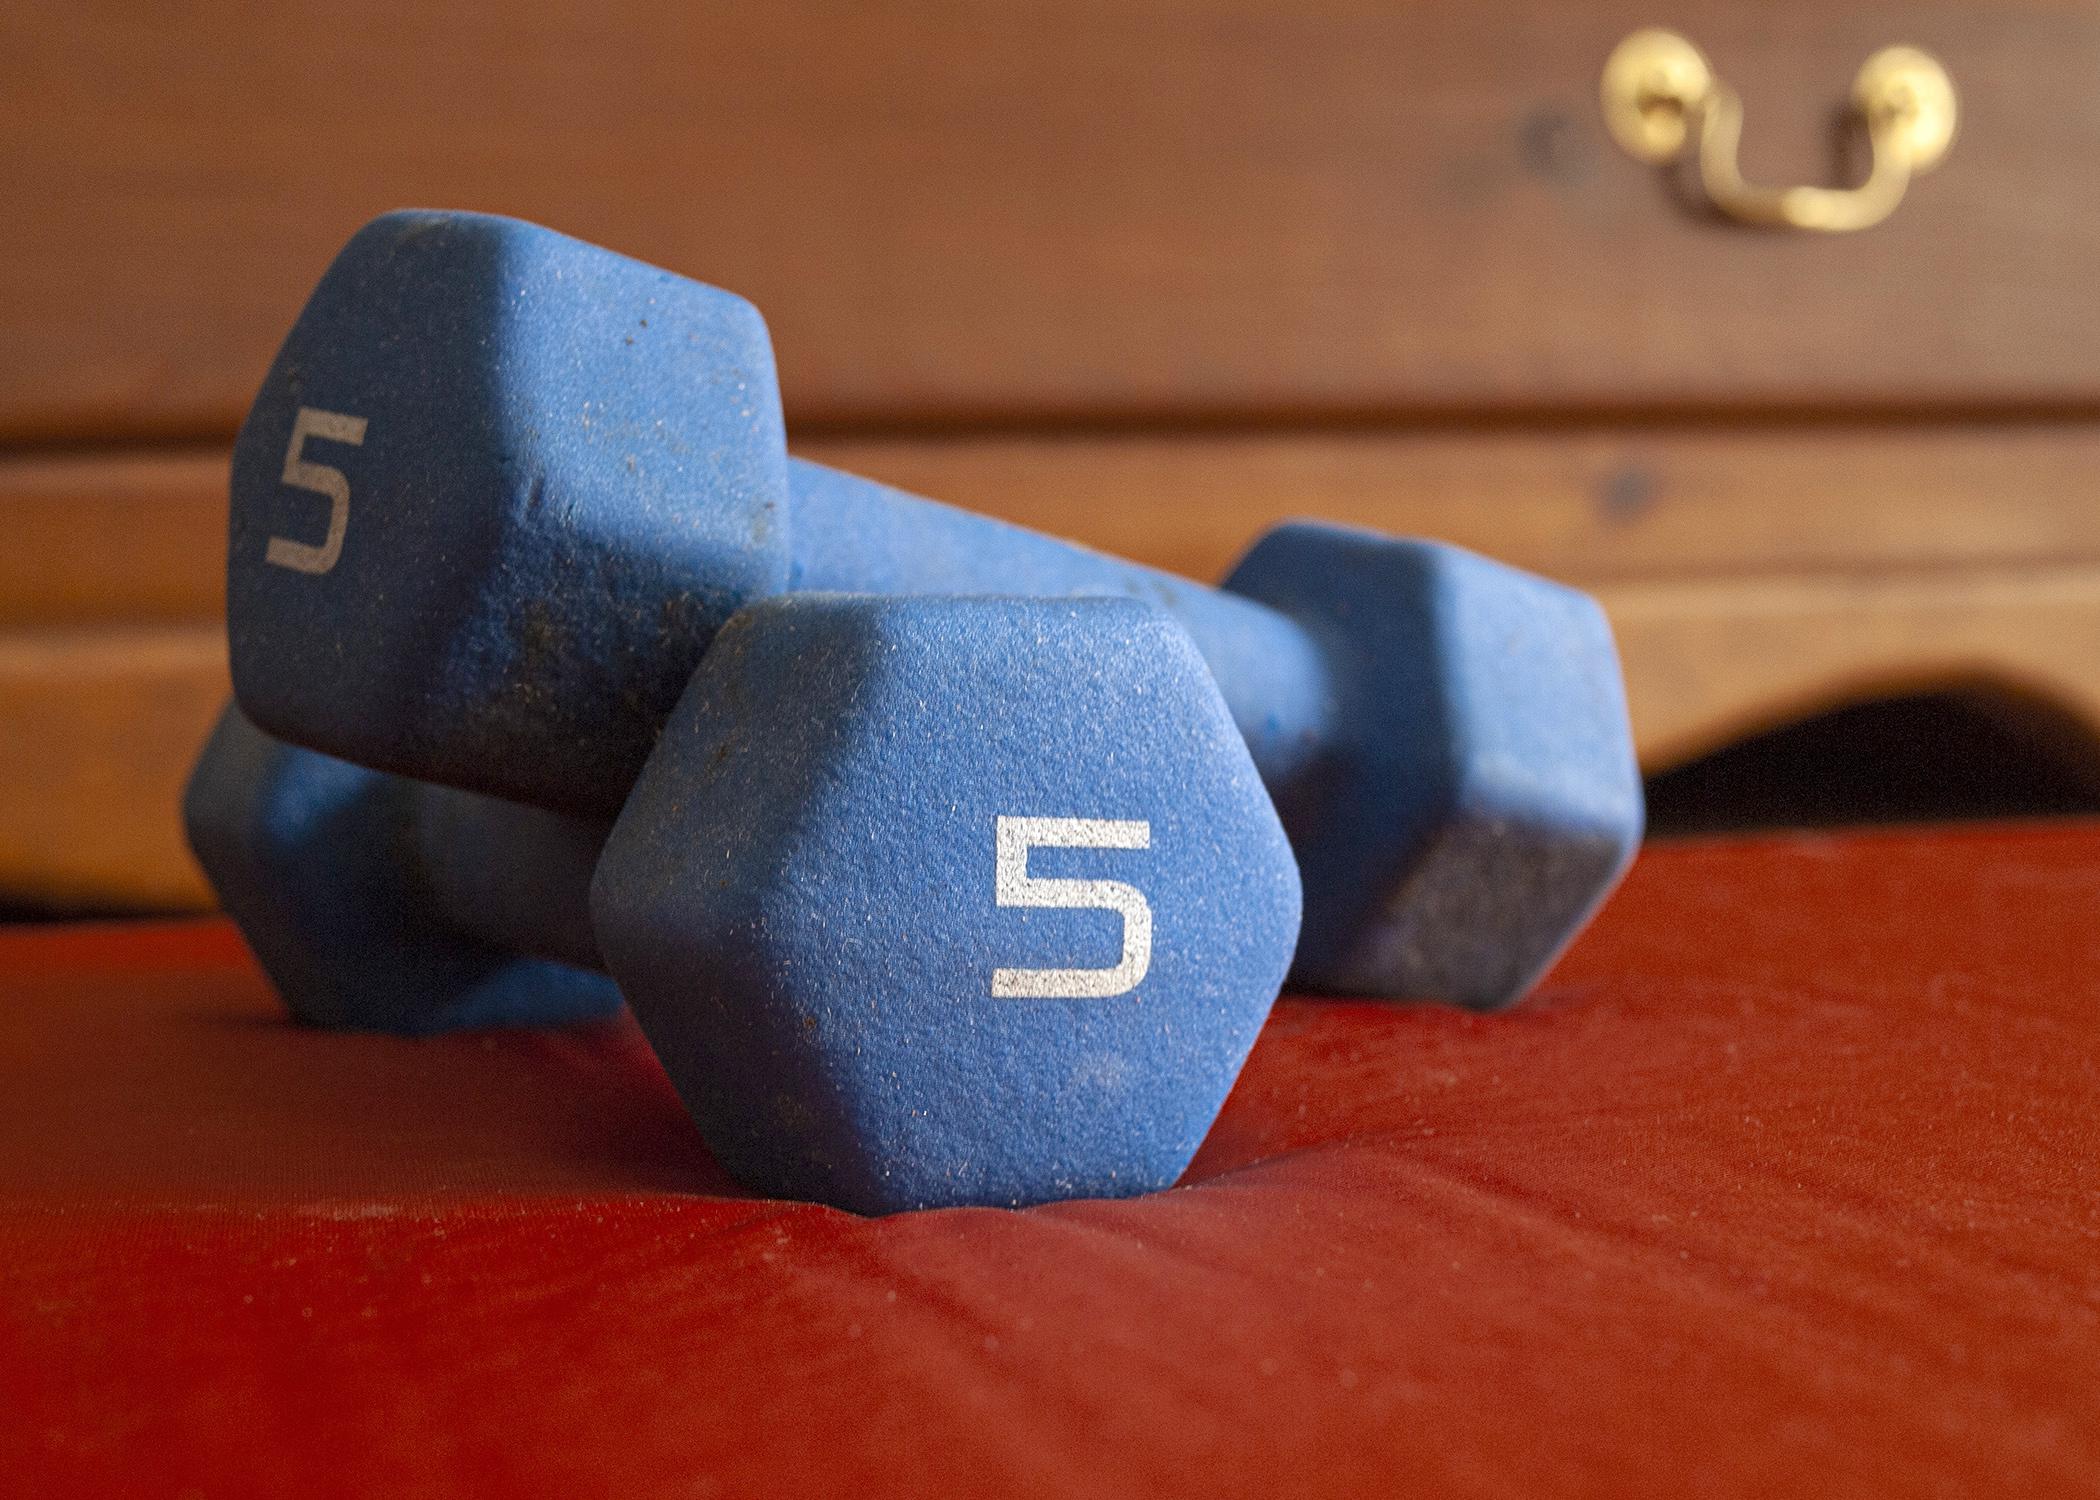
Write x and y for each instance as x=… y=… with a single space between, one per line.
x=1657 y=85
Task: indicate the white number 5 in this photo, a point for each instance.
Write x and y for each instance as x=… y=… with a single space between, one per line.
x=302 y=557
x=1014 y=886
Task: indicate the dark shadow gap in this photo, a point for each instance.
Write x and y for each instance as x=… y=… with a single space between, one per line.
x=1961 y=753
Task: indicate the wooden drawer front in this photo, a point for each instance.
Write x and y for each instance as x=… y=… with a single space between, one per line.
x=1020 y=211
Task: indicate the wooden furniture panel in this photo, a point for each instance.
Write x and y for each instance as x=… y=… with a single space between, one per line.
x=1710 y=661
x=102 y=536
x=1059 y=208
x=97 y=732
x=1589 y=505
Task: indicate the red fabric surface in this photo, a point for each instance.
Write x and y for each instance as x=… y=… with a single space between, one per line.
x=1785 y=1183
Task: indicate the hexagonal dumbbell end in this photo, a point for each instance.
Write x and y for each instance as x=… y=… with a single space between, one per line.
x=1479 y=797
x=360 y=893
x=950 y=901
x=497 y=491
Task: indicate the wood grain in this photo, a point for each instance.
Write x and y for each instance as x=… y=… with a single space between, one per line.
x=1031 y=210
x=136 y=537
x=1711 y=660
x=97 y=731
x=1586 y=505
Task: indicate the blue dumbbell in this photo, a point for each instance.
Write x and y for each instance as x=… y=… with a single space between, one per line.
x=377 y=903
x=500 y=488
x=920 y=901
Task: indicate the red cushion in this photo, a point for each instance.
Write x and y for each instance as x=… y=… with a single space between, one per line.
x=1786 y=1182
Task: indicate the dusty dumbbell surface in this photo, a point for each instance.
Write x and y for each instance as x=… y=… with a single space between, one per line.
x=580 y=461
x=794 y=899
x=941 y=861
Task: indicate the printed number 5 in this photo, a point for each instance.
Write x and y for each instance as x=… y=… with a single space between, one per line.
x=1014 y=886
x=302 y=557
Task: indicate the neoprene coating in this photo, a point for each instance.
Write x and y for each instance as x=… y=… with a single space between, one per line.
x=557 y=471
x=323 y=865
x=943 y=901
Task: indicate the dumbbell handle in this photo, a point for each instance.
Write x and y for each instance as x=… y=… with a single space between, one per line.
x=511 y=876
x=853 y=535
